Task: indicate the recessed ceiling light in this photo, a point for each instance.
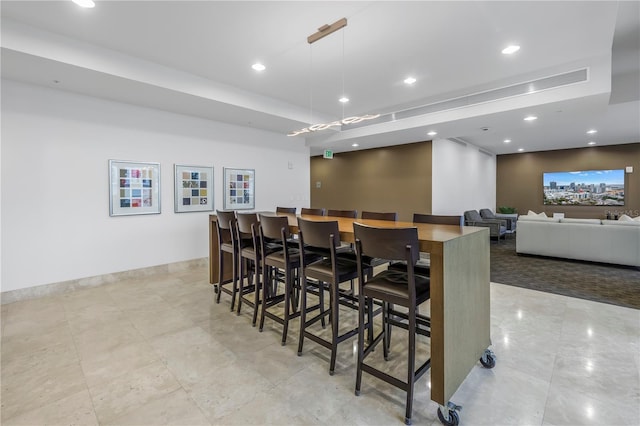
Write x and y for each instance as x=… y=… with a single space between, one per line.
x=592 y=131
x=507 y=141
x=409 y=80
x=84 y=3
x=258 y=66
x=530 y=118
x=510 y=49
x=591 y=143
x=520 y=149
x=354 y=144
x=432 y=133
x=344 y=99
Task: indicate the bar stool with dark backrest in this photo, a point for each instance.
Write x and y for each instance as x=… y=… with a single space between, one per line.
x=388 y=216
x=438 y=219
x=324 y=238
x=275 y=229
x=343 y=213
x=286 y=210
x=391 y=287
x=391 y=216
x=422 y=267
x=249 y=261
x=226 y=223
x=314 y=212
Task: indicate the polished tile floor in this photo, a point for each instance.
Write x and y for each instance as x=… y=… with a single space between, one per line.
x=157 y=350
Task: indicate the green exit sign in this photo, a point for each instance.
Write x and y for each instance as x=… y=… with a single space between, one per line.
x=328 y=154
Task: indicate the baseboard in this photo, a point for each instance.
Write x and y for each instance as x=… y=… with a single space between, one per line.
x=72 y=285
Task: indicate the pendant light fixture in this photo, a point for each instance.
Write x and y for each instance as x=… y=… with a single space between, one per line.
x=322 y=32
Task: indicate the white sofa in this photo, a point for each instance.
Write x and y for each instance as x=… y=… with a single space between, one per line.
x=608 y=241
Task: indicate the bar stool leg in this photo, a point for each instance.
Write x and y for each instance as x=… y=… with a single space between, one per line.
x=333 y=295
x=411 y=376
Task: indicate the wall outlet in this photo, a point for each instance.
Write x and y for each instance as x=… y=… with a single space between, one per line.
x=318 y=184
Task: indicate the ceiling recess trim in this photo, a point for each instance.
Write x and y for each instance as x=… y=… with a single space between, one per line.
x=528 y=87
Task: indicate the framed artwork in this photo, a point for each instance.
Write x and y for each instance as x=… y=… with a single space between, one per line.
x=239 y=189
x=134 y=188
x=193 y=188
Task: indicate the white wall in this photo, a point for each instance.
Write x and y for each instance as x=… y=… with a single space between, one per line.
x=463 y=178
x=55 y=207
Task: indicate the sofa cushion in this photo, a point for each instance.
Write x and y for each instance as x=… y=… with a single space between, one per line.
x=576 y=220
x=620 y=222
x=537 y=218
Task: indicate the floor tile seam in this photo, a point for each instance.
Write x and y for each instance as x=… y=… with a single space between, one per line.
x=152 y=401
x=26 y=354
x=623 y=400
x=56 y=400
x=617 y=402
x=84 y=376
x=156 y=396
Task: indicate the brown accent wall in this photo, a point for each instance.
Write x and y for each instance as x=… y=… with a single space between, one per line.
x=390 y=179
x=519 y=178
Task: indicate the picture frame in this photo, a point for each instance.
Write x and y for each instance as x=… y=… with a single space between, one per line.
x=239 y=189
x=134 y=188
x=193 y=188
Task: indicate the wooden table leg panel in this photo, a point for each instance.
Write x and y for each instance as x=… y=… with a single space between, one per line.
x=460 y=312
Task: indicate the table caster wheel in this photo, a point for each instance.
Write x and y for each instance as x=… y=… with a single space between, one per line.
x=451 y=418
x=488 y=359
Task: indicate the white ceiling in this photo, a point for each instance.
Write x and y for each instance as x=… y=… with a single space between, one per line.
x=195 y=57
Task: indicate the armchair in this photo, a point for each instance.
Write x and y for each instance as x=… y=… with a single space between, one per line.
x=510 y=218
x=497 y=227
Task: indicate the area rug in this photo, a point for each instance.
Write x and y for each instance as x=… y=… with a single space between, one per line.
x=616 y=285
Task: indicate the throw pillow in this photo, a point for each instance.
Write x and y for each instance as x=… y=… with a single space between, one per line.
x=542 y=214
x=625 y=218
x=637 y=218
x=532 y=213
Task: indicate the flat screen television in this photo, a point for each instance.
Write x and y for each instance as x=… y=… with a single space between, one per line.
x=584 y=188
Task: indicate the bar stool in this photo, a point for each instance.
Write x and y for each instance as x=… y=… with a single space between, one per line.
x=226 y=223
x=390 y=216
x=324 y=238
x=390 y=287
x=248 y=261
x=343 y=213
x=275 y=229
x=286 y=210
x=423 y=265
x=314 y=212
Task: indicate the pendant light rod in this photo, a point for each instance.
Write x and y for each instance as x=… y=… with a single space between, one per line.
x=326 y=29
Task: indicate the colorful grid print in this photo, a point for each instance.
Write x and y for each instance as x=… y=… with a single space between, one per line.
x=240 y=189
x=136 y=187
x=194 y=188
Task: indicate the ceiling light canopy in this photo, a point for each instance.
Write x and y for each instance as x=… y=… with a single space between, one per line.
x=511 y=49
x=85 y=3
x=432 y=133
x=592 y=131
x=507 y=141
x=258 y=66
x=530 y=118
x=344 y=99
x=591 y=143
x=520 y=149
x=409 y=80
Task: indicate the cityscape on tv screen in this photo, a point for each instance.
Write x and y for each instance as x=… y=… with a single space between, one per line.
x=584 y=188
